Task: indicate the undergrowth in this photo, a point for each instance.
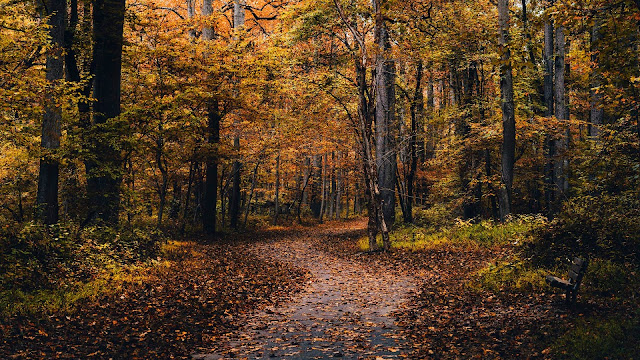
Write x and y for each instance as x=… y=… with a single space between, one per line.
x=45 y=269
x=462 y=234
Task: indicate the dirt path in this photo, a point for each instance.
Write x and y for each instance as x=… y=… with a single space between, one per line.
x=346 y=310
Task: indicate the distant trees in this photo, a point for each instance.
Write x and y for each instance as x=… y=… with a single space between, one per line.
x=152 y=117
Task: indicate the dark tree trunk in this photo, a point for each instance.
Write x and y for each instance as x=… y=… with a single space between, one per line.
x=385 y=116
x=104 y=168
x=209 y=205
x=277 y=199
x=549 y=102
x=315 y=198
x=254 y=178
x=47 y=197
x=185 y=211
x=416 y=112
x=508 y=112
x=561 y=165
x=304 y=189
x=234 y=206
x=211 y=187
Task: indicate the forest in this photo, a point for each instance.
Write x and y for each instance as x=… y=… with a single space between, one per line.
x=308 y=179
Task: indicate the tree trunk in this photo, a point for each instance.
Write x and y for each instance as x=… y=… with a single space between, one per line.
x=185 y=211
x=253 y=187
x=376 y=218
x=191 y=13
x=323 y=196
x=416 y=112
x=207 y=11
x=234 y=206
x=385 y=116
x=549 y=102
x=47 y=197
x=561 y=166
x=277 y=199
x=508 y=111
x=104 y=168
x=304 y=189
x=210 y=200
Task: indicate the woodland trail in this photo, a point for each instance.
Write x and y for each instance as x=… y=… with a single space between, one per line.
x=345 y=311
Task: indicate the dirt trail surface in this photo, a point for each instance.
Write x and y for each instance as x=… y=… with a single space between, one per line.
x=346 y=311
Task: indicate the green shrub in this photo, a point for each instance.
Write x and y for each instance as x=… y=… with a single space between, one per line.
x=607 y=277
x=435 y=216
x=606 y=227
x=39 y=257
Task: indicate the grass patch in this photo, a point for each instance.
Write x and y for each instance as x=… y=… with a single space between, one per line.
x=513 y=275
x=599 y=338
x=466 y=234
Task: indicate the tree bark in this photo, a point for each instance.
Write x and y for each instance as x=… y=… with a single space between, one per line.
x=561 y=165
x=416 y=112
x=549 y=101
x=508 y=111
x=277 y=199
x=104 y=168
x=47 y=196
x=385 y=116
x=210 y=200
x=191 y=13
x=234 y=206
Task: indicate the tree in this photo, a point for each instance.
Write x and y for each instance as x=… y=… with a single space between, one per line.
x=104 y=165
x=47 y=198
x=234 y=205
x=508 y=111
x=385 y=110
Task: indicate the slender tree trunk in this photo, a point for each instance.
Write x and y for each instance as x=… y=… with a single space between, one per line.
x=277 y=199
x=561 y=166
x=254 y=177
x=323 y=202
x=416 y=112
x=210 y=199
x=549 y=101
x=207 y=11
x=185 y=210
x=234 y=206
x=191 y=13
x=304 y=189
x=385 y=110
x=213 y=130
x=508 y=112
x=104 y=168
x=47 y=197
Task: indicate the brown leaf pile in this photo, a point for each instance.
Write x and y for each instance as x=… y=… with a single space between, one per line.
x=182 y=308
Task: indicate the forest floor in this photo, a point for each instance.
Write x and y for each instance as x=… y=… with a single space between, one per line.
x=299 y=293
